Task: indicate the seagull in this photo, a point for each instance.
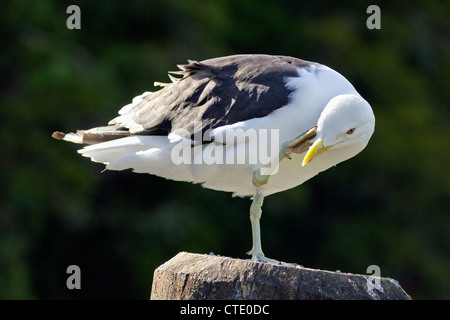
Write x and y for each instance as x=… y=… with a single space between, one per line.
x=252 y=125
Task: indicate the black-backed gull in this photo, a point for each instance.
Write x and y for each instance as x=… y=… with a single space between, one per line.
x=246 y=124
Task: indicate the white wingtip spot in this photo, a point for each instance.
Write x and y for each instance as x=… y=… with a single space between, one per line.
x=74 y=137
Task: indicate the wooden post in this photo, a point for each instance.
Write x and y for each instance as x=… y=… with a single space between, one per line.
x=189 y=276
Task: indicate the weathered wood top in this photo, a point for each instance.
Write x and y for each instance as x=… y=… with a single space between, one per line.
x=189 y=276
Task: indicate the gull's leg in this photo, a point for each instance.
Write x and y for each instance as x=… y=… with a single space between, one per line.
x=297 y=145
x=255 y=215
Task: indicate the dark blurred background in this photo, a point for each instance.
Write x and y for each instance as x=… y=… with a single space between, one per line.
x=388 y=206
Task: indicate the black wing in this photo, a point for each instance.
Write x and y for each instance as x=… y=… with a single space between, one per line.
x=214 y=92
x=217 y=92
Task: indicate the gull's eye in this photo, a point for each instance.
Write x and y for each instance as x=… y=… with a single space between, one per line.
x=351 y=131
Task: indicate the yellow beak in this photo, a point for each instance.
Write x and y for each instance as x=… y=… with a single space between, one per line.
x=316 y=149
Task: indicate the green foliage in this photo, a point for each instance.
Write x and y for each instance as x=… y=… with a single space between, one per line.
x=387 y=206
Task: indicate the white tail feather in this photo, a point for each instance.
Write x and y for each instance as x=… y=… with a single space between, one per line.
x=110 y=151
